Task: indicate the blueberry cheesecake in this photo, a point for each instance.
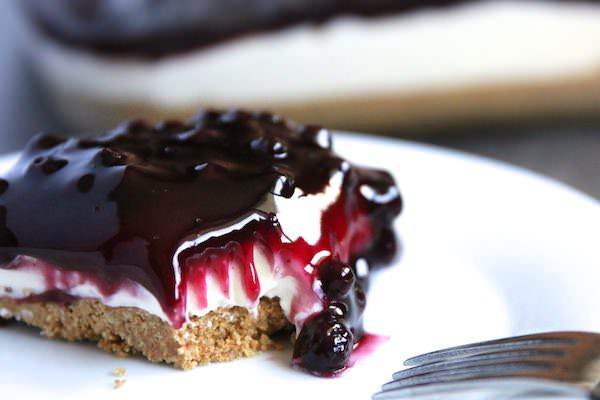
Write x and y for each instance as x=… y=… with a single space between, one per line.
x=195 y=242
x=359 y=64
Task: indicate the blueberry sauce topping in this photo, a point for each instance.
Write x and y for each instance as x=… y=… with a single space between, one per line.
x=165 y=206
x=155 y=28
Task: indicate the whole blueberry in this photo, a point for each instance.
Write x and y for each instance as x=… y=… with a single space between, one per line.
x=324 y=344
x=337 y=278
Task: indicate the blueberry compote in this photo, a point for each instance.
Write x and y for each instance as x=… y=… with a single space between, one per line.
x=164 y=206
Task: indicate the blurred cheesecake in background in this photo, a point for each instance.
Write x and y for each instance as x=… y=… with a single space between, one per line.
x=352 y=64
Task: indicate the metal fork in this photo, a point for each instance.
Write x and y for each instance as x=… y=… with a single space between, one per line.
x=560 y=364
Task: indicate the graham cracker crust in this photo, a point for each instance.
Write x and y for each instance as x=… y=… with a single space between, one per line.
x=224 y=334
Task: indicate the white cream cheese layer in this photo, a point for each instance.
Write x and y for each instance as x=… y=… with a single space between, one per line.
x=28 y=281
x=489 y=41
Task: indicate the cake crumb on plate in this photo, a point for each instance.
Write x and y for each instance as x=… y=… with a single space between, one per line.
x=119 y=383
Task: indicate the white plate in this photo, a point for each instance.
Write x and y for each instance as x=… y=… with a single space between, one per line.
x=489 y=250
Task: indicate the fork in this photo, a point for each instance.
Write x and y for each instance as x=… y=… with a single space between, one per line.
x=559 y=364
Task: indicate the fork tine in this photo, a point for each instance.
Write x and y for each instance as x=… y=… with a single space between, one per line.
x=488 y=347
x=564 y=358
x=503 y=388
x=529 y=369
x=547 y=355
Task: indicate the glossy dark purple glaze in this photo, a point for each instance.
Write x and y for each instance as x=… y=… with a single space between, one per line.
x=155 y=28
x=117 y=208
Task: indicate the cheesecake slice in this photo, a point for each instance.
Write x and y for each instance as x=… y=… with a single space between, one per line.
x=388 y=65
x=195 y=242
